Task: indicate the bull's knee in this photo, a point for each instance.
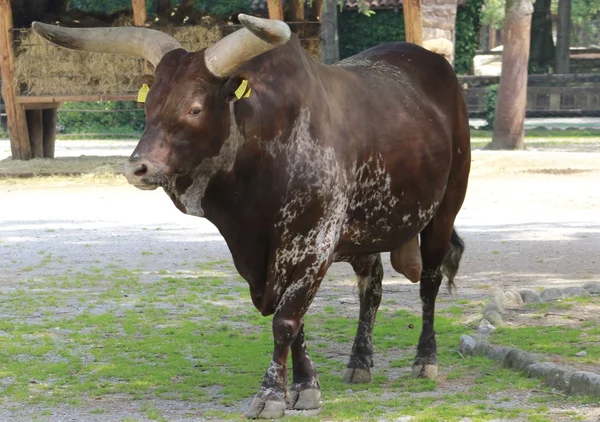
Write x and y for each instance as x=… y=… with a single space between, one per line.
x=407 y=260
x=285 y=330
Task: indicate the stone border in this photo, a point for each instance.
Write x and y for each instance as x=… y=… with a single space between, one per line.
x=562 y=378
x=498 y=300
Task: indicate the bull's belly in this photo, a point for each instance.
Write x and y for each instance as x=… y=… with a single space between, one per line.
x=383 y=235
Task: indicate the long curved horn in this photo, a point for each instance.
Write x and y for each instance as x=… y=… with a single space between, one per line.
x=132 y=41
x=257 y=36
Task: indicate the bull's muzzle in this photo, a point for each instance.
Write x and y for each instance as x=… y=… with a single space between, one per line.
x=141 y=174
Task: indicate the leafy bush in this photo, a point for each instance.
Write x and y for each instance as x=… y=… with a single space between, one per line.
x=111 y=117
x=358 y=32
x=468 y=23
x=491 y=100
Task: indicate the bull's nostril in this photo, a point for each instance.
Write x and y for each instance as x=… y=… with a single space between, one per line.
x=141 y=170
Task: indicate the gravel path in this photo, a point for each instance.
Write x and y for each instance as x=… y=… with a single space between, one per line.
x=531 y=219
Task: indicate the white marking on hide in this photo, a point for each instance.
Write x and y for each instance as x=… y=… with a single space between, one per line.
x=372 y=193
x=201 y=175
x=312 y=174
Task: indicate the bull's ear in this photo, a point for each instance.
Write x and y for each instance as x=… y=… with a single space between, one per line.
x=236 y=87
x=147 y=80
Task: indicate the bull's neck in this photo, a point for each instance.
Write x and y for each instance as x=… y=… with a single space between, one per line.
x=188 y=192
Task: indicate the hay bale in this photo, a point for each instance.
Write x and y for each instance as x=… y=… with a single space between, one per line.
x=44 y=69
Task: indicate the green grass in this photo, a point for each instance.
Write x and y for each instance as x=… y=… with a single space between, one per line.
x=197 y=338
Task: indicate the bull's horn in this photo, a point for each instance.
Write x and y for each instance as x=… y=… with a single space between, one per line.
x=132 y=41
x=258 y=36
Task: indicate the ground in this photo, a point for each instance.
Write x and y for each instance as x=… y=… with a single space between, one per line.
x=115 y=306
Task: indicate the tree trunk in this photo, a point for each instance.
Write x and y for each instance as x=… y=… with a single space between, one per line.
x=330 y=52
x=509 y=121
x=563 y=36
x=541 y=54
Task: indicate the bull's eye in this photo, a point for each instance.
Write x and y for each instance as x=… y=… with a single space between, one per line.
x=195 y=110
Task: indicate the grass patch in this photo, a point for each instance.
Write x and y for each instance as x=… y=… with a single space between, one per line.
x=77 y=336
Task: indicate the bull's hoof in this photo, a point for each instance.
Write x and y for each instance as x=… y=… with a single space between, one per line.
x=425 y=371
x=357 y=376
x=272 y=407
x=303 y=399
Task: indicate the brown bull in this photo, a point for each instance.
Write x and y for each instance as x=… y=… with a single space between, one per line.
x=304 y=165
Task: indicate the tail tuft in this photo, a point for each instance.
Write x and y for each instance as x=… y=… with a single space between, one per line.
x=452 y=259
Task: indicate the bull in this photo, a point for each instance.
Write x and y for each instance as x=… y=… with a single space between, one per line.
x=299 y=165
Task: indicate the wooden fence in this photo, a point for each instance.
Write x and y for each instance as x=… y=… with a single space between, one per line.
x=547 y=95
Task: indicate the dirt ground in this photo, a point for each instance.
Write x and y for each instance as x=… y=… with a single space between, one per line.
x=531 y=220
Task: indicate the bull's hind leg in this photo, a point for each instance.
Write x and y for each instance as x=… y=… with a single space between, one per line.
x=369 y=271
x=441 y=249
x=305 y=392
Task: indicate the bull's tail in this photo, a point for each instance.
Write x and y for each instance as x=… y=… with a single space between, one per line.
x=452 y=259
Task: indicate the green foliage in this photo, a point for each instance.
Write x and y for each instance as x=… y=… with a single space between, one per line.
x=585 y=20
x=493 y=13
x=127 y=117
x=223 y=7
x=491 y=100
x=105 y=6
x=358 y=33
x=468 y=22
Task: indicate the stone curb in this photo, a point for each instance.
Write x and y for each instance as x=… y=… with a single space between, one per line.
x=571 y=381
x=499 y=300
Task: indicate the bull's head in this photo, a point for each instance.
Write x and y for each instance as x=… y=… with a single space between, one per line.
x=187 y=108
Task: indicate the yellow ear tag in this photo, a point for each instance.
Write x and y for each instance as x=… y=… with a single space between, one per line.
x=243 y=91
x=143 y=93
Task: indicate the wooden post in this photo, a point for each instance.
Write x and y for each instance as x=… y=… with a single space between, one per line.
x=413 y=22
x=318 y=9
x=275 y=9
x=15 y=114
x=297 y=10
x=49 y=124
x=139 y=12
x=34 y=124
x=140 y=16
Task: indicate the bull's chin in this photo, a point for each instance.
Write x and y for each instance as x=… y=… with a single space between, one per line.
x=143 y=186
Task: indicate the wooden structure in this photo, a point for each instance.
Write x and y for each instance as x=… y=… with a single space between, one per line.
x=31 y=119
x=547 y=95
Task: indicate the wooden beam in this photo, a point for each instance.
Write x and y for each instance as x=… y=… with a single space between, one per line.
x=297 y=10
x=275 y=9
x=16 y=121
x=139 y=12
x=34 y=124
x=49 y=116
x=413 y=22
x=53 y=99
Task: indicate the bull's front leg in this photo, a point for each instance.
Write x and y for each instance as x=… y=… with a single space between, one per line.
x=270 y=402
x=305 y=392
